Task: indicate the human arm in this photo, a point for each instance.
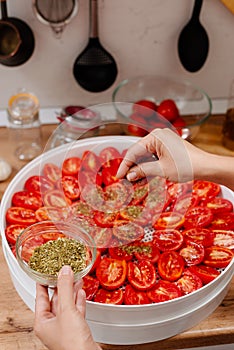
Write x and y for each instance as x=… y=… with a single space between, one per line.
x=178 y=160
x=60 y=323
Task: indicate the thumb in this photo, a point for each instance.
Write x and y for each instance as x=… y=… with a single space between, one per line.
x=144 y=170
x=65 y=289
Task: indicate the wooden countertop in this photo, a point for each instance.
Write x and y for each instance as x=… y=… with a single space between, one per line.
x=16 y=320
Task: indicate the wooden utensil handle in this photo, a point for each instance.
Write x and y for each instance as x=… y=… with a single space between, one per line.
x=4 y=9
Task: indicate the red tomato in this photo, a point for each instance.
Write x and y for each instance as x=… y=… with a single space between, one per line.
x=121 y=251
x=56 y=198
x=168 y=109
x=216 y=256
x=193 y=253
x=20 y=215
x=141 y=275
x=137 y=130
x=139 y=193
x=167 y=240
x=177 y=190
x=52 y=236
x=51 y=213
x=105 y=219
x=147 y=251
x=170 y=265
x=109 y=297
x=145 y=108
x=52 y=172
x=199 y=235
x=38 y=184
x=205 y=273
x=90 y=286
x=135 y=297
x=109 y=153
x=223 y=238
x=81 y=208
x=13 y=231
x=168 y=220
x=157 y=201
x=111 y=273
x=97 y=260
x=83 y=222
x=93 y=195
x=164 y=291
x=137 y=214
x=102 y=236
x=206 y=189
x=219 y=205
x=189 y=282
x=179 y=123
x=223 y=221
x=69 y=185
x=109 y=170
x=25 y=199
x=198 y=217
x=138 y=118
x=71 y=166
x=185 y=202
x=29 y=246
x=128 y=233
x=86 y=177
x=90 y=161
x=117 y=195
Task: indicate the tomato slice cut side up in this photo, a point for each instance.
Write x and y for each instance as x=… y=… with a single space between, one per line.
x=111 y=273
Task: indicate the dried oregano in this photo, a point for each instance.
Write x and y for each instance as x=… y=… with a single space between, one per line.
x=52 y=255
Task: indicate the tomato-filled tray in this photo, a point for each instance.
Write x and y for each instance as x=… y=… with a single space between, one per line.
x=140 y=229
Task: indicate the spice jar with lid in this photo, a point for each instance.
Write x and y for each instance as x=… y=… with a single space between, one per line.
x=228 y=126
x=24 y=125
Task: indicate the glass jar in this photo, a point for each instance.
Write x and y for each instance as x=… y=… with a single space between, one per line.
x=24 y=125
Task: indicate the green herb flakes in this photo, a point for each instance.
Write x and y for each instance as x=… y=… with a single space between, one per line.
x=51 y=256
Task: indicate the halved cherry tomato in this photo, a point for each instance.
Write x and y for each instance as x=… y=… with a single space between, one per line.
x=145 y=108
x=170 y=265
x=71 y=166
x=109 y=153
x=168 y=220
x=206 y=189
x=20 y=215
x=192 y=252
x=84 y=222
x=105 y=219
x=97 y=260
x=56 y=198
x=223 y=221
x=139 y=193
x=205 y=273
x=198 y=217
x=109 y=296
x=157 y=201
x=216 y=256
x=177 y=189
x=117 y=195
x=219 y=205
x=12 y=232
x=52 y=236
x=168 y=109
x=111 y=273
x=81 y=208
x=25 y=199
x=38 y=184
x=52 y=172
x=86 y=177
x=109 y=170
x=29 y=246
x=142 y=275
x=189 y=282
x=137 y=214
x=199 y=235
x=93 y=195
x=121 y=251
x=185 y=202
x=146 y=251
x=69 y=185
x=51 y=213
x=135 y=297
x=90 y=161
x=164 y=291
x=128 y=233
x=102 y=236
x=169 y=239
x=90 y=286
x=223 y=238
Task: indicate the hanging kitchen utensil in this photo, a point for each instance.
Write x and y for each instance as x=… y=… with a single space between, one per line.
x=95 y=69
x=55 y=13
x=193 y=43
x=16 y=39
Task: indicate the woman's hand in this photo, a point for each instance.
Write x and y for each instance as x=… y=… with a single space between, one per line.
x=60 y=323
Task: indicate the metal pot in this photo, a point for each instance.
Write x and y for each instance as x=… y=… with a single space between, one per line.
x=16 y=39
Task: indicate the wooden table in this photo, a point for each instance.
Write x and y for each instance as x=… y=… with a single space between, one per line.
x=16 y=320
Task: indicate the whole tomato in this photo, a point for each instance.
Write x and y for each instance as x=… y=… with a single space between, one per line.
x=145 y=108
x=168 y=109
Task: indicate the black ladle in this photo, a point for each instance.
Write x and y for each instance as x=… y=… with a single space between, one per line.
x=193 y=43
x=94 y=69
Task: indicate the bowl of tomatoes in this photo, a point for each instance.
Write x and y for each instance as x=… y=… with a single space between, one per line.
x=164 y=251
x=147 y=102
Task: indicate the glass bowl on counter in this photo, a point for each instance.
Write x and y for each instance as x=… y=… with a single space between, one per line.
x=192 y=105
x=43 y=248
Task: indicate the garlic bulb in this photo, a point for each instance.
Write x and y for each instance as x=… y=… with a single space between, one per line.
x=5 y=169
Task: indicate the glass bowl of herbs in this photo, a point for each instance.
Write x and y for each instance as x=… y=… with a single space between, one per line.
x=43 y=248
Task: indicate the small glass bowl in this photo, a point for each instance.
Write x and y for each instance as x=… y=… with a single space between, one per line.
x=193 y=103
x=38 y=234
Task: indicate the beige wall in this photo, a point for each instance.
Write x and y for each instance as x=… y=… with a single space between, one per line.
x=141 y=35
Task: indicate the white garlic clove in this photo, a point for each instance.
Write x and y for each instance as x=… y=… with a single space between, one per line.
x=5 y=169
